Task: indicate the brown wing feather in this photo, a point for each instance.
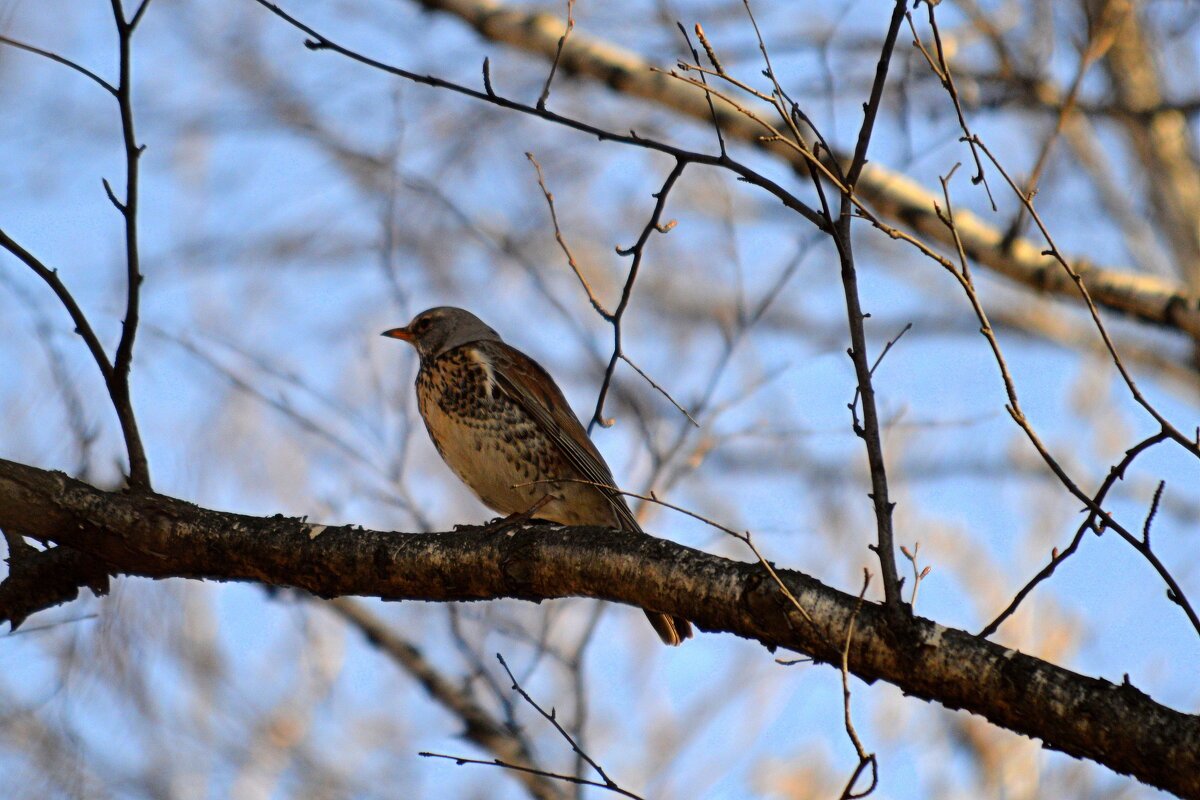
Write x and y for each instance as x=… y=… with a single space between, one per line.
x=531 y=387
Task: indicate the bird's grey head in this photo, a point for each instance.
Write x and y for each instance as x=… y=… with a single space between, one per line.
x=437 y=330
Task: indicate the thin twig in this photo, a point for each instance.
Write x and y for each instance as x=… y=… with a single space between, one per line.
x=552 y=718
x=879 y=358
x=869 y=431
x=50 y=276
x=864 y=758
x=1018 y=416
x=637 y=251
x=1153 y=510
x=481 y=727
x=562 y=42
x=660 y=389
x=742 y=536
x=708 y=95
x=103 y=84
x=1178 y=437
x=318 y=41
x=942 y=69
x=587 y=288
x=139 y=468
x=562 y=243
x=460 y=761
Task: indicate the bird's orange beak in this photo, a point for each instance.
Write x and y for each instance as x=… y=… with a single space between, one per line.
x=399 y=333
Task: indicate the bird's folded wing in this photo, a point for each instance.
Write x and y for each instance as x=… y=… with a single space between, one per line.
x=530 y=387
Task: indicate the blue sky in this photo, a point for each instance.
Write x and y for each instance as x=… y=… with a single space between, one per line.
x=263 y=254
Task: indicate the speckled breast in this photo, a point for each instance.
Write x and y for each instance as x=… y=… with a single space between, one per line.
x=489 y=441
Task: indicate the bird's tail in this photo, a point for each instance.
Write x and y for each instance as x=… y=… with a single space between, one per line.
x=671 y=629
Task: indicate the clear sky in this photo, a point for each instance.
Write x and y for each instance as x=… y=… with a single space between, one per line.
x=296 y=204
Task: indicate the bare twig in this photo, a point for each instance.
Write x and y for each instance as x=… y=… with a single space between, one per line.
x=1153 y=510
x=879 y=359
x=962 y=275
x=317 y=41
x=605 y=781
x=742 y=536
x=1184 y=441
x=865 y=759
x=545 y=95
x=103 y=84
x=562 y=243
x=637 y=251
x=558 y=776
x=139 y=468
x=503 y=741
x=942 y=69
x=552 y=718
x=918 y=573
x=708 y=95
x=661 y=390
x=869 y=431
x=610 y=317
x=85 y=433
x=50 y=276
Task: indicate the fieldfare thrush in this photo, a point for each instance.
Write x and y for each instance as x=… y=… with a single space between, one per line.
x=502 y=424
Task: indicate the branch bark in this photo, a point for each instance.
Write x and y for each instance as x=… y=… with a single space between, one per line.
x=155 y=536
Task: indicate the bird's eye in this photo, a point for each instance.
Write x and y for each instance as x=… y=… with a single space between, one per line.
x=422 y=325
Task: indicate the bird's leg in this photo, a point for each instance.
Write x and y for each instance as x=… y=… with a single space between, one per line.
x=519 y=517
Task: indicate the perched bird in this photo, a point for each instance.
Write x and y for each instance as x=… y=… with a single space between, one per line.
x=502 y=424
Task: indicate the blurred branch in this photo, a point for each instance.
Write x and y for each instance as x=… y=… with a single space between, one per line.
x=157 y=536
x=890 y=193
x=745 y=173
x=501 y=740
x=1162 y=142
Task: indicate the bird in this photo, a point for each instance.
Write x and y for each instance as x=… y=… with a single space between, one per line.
x=501 y=423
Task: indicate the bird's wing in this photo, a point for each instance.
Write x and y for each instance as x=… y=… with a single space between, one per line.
x=532 y=388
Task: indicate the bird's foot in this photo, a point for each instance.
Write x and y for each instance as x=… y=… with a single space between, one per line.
x=517 y=518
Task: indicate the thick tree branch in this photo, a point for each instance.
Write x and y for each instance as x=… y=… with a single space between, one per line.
x=40 y=579
x=156 y=536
